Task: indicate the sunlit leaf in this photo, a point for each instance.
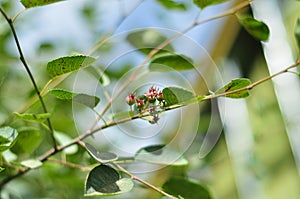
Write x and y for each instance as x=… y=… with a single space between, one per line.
x=160 y=154
x=87 y=100
x=204 y=3
x=69 y=64
x=1 y=169
x=35 y=3
x=236 y=84
x=101 y=157
x=105 y=181
x=175 y=95
x=169 y=62
x=257 y=29
x=147 y=40
x=33 y=117
x=297 y=33
x=33 y=164
x=184 y=188
x=63 y=139
x=171 y=4
x=8 y=137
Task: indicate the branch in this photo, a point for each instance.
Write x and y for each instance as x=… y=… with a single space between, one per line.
x=133 y=177
x=22 y=58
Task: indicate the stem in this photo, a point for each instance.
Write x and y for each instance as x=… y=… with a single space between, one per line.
x=164 y=44
x=22 y=58
x=133 y=177
x=69 y=164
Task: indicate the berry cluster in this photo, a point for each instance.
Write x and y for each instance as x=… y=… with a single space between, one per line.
x=149 y=102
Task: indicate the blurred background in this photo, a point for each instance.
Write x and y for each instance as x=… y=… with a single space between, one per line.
x=243 y=148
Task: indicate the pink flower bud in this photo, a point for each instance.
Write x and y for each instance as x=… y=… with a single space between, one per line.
x=139 y=103
x=130 y=99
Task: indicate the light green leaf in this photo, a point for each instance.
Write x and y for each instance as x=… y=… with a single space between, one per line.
x=101 y=157
x=236 y=84
x=105 y=181
x=63 y=139
x=159 y=154
x=204 y=3
x=257 y=29
x=31 y=139
x=175 y=95
x=178 y=187
x=87 y=100
x=33 y=164
x=297 y=33
x=35 y=3
x=1 y=169
x=103 y=78
x=169 y=62
x=69 y=64
x=8 y=137
x=171 y=4
x=147 y=40
x=31 y=117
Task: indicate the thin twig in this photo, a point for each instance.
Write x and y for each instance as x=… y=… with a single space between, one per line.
x=22 y=58
x=69 y=164
x=133 y=177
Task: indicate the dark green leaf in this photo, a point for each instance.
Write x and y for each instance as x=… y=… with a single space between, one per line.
x=63 y=139
x=8 y=137
x=33 y=117
x=105 y=181
x=34 y=3
x=33 y=164
x=171 y=4
x=184 y=188
x=169 y=62
x=175 y=95
x=101 y=157
x=31 y=139
x=87 y=100
x=297 y=33
x=204 y=3
x=159 y=154
x=147 y=40
x=65 y=65
x=257 y=29
x=236 y=84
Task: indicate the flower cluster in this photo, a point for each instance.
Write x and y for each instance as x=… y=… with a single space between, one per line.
x=149 y=102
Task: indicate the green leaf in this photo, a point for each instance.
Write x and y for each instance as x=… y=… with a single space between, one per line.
x=33 y=164
x=178 y=187
x=159 y=154
x=169 y=62
x=147 y=40
x=87 y=100
x=236 y=84
x=8 y=137
x=103 y=78
x=204 y=3
x=33 y=117
x=63 y=139
x=175 y=95
x=31 y=139
x=105 y=181
x=171 y=4
x=69 y=64
x=101 y=157
x=35 y=3
x=257 y=29
x=297 y=33
x=1 y=169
